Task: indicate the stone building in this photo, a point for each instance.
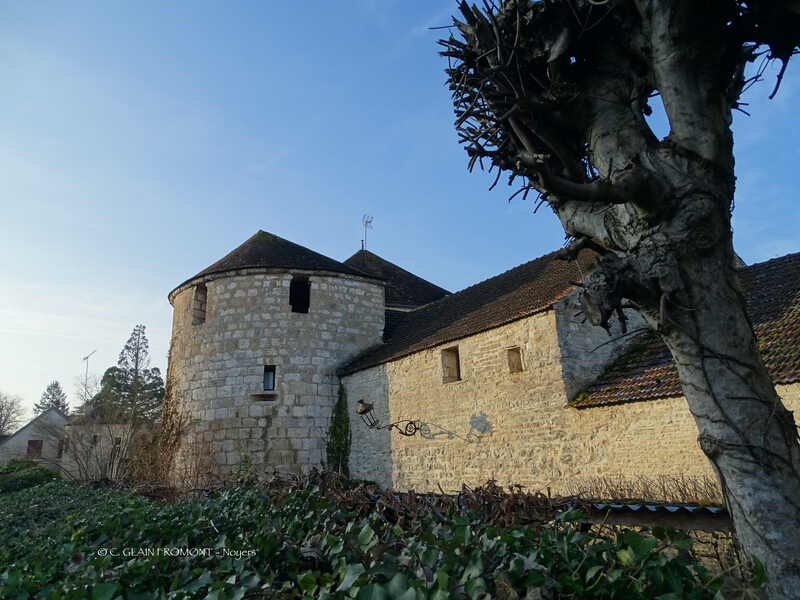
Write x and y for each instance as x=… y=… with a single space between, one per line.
x=508 y=381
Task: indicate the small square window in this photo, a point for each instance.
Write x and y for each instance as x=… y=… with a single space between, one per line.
x=269 y=378
x=451 y=365
x=514 y=356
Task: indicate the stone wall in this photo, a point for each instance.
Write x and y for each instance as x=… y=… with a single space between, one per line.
x=217 y=367
x=491 y=424
x=517 y=427
x=587 y=350
x=370 y=455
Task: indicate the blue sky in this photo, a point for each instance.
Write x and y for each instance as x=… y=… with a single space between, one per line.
x=142 y=141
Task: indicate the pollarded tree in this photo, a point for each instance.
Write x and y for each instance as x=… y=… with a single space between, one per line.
x=52 y=397
x=555 y=93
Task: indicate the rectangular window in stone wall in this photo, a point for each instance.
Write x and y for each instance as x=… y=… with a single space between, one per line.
x=34 y=448
x=514 y=356
x=451 y=365
x=300 y=294
x=199 y=302
x=269 y=378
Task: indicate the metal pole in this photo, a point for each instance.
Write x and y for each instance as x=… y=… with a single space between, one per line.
x=86 y=376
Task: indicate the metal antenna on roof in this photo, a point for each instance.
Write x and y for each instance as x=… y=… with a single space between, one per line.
x=86 y=376
x=366 y=221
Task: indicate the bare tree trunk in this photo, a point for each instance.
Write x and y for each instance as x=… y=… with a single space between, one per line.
x=747 y=434
x=556 y=93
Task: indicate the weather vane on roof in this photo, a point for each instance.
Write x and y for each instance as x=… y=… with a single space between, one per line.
x=366 y=221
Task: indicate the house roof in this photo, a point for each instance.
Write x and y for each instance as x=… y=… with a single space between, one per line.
x=5 y=438
x=403 y=289
x=266 y=250
x=515 y=294
x=772 y=296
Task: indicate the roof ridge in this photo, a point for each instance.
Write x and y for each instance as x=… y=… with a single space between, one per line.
x=769 y=260
x=503 y=273
x=399 y=268
x=516 y=293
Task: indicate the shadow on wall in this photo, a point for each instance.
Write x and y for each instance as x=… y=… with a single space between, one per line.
x=479 y=427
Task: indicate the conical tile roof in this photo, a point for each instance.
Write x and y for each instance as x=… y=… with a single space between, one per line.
x=266 y=250
x=403 y=289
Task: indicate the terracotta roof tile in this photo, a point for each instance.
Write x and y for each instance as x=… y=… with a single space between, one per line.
x=772 y=294
x=515 y=294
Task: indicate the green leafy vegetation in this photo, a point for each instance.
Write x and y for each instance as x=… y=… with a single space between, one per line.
x=313 y=539
x=22 y=474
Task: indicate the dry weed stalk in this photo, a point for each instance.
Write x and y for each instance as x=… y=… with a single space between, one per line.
x=659 y=489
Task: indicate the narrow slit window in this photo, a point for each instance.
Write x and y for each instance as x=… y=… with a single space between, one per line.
x=514 y=356
x=269 y=378
x=199 y=303
x=300 y=294
x=95 y=439
x=451 y=365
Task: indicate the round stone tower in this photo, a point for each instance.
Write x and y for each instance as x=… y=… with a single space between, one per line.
x=257 y=339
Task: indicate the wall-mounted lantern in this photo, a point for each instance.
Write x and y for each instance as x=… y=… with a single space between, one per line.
x=479 y=426
x=407 y=427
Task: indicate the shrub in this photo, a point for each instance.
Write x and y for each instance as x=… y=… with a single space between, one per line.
x=288 y=540
x=23 y=475
x=16 y=464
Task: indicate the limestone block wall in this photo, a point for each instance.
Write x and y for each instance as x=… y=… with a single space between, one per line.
x=370 y=455
x=517 y=418
x=216 y=366
x=585 y=349
x=655 y=437
x=522 y=431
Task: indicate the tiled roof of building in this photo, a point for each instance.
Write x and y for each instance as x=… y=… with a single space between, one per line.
x=392 y=318
x=515 y=294
x=772 y=294
x=403 y=289
x=265 y=249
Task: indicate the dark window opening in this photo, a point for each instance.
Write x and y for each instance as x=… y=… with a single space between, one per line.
x=62 y=444
x=515 y=360
x=269 y=378
x=300 y=294
x=199 y=302
x=95 y=439
x=34 y=448
x=451 y=365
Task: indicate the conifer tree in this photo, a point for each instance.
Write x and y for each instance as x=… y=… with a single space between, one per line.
x=52 y=397
x=131 y=390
